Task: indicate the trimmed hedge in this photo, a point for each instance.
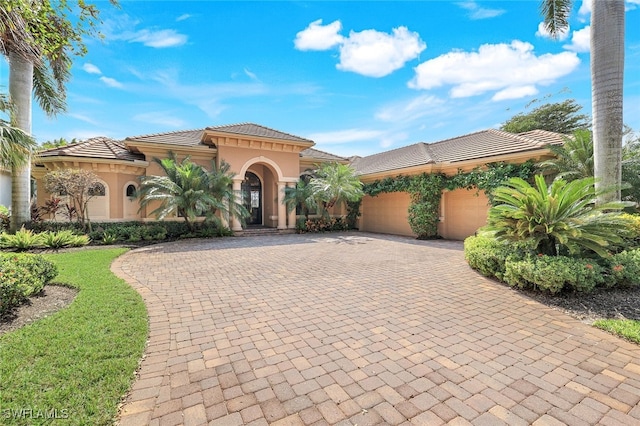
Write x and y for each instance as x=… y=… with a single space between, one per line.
x=321 y=224
x=22 y=275
x=517 y=266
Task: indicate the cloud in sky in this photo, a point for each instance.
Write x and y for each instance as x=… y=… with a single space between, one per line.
x=510 y=70
x=123 y=29
x=544 y=33
x=183 y=17
x=370 y=52
x=344 y=136
x=319 y=37
x=411 y=110
x=162 y=118
x=580 y=40
x=111 y=82
x=91 y=69
x=476 y=12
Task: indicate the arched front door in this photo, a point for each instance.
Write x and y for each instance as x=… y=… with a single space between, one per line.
x=252 y=198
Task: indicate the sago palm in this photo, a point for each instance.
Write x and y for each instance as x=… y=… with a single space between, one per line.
x=574 y=159
x=563 y=214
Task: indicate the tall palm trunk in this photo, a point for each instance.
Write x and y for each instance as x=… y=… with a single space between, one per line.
x=20 y=89
x=607 y=70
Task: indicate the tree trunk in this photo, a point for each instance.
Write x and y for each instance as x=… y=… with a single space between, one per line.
x=607 y=70
x=20 y=90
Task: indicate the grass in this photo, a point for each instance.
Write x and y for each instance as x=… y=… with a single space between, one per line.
x=629 y=329
x=78 y=363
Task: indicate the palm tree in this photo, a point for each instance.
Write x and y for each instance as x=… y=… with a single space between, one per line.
x=15 y=145
x=221 y=187
x=563 y=214
x=574 y=159
x=301 y=195
x=39 y=39
x=335 y=183
x=184 y=190
x=607 y=70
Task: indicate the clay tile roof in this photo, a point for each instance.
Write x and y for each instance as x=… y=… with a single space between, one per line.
x=181 y=137
x=407 y=156
x=546 y=137
x=98 y=147
x=251 y=129
x=320 y=155
x=478 y=145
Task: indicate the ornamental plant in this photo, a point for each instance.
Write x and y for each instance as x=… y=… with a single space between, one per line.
x=563 y=215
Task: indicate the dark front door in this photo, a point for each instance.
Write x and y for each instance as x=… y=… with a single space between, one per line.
x=252 y=198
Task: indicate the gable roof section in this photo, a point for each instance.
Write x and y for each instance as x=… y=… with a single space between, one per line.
x=316 y=154
x=252 y=129
x=474 y=146
x=180 y=138
x=98 y=147
x=400 y=158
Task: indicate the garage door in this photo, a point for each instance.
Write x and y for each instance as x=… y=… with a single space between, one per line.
x=464 y=212
x=386 y=214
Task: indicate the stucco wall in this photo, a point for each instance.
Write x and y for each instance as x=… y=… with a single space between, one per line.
x=464 y=211
x=5 y=188
x=386 y=213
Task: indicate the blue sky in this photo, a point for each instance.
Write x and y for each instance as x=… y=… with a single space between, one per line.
x=356 y=77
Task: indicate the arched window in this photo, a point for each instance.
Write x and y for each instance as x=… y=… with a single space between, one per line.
x=97 y=190
x=131 y=190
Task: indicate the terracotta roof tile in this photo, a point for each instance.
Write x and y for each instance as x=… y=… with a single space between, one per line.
x=399 y=158
x=251 y=129
x=320 y=155
x=98 y=147
x=181 y=137
x=483 y=144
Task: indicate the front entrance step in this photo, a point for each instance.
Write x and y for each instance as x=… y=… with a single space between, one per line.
x=252 y=232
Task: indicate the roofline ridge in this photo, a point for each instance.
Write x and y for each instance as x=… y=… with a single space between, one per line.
x=163 y=133
x=518 y=136
x=325 y=152
x=458 y=137
x=391 y=150
x=258 y=125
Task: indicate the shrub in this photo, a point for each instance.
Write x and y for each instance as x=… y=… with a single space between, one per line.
x=488 y=255
x=21 y=276
x=553 y=273
x=633 y=239
x=5 y=219
x=24 y=239
x=64 y=238
x=322 y=224
x=625 y=268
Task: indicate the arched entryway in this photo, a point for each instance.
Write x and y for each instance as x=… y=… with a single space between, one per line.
x=252 y=198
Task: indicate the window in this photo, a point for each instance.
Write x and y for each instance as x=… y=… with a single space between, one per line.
x=131 y=191
x=97 y=190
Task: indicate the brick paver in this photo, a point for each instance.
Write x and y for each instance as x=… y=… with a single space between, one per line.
x=360 y=329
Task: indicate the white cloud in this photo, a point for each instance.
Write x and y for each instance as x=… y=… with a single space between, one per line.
x=580 y=40
x=160 y=38
x=251 y=75
x=344 y=136
x=544 y=33
x=183 y=17
x=476 y=12
x=84 y=118
x=376 y=54
x=123 y=28
x=111 y=82
x=319 y=37
x=585 y=8
x=91 y=69
x=162 y=118
x=411 y=110
x=512 y=70
x=371 y=53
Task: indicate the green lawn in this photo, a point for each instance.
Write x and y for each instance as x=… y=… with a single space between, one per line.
x=79 y=362
x=629 y=329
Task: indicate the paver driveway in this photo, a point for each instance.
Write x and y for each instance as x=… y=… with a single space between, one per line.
x=360 y=329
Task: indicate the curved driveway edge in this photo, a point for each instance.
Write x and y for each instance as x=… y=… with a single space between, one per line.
x=362 y=329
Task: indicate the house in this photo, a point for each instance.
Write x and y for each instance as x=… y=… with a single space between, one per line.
x=265 y=161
